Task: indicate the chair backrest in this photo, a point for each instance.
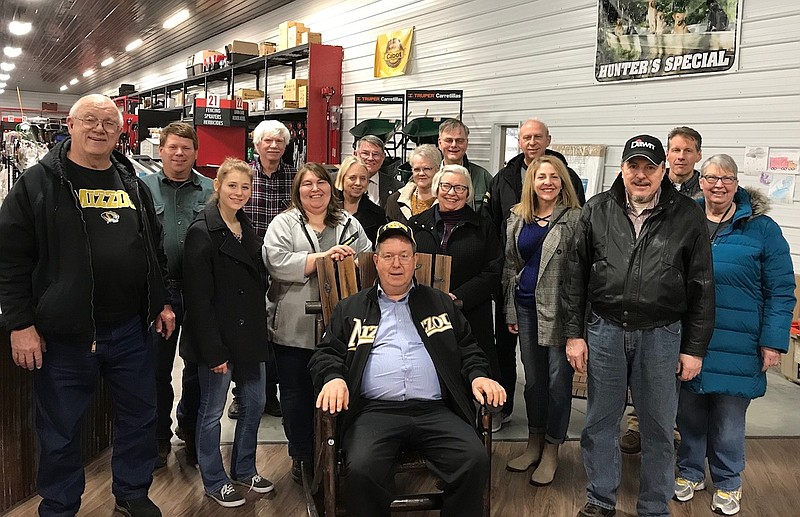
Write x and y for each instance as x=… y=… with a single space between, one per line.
x=338 y=280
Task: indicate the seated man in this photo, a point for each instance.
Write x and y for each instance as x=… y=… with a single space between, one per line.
x=410 y=359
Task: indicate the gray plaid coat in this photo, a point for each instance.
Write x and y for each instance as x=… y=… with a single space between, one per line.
x=551 y=272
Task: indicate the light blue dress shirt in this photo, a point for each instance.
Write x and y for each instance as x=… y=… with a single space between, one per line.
x=399 y=366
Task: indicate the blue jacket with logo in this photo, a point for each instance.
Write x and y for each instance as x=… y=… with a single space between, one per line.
x=754 y=283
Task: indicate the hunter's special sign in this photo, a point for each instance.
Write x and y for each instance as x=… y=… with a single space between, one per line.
x=649 y=39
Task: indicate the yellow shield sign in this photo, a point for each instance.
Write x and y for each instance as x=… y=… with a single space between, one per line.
x=391 y=52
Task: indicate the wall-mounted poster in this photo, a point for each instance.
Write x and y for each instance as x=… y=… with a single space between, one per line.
x=588 y=161
x=656 y=39
x=392 y=50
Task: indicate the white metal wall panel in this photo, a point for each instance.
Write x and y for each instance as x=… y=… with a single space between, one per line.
x=519 y=58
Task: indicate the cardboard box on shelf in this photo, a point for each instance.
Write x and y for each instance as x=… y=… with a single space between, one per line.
x=295 y=35
x=238 y=51
x=291 y=88
x=247 y=94
x=287 y=105
x=283 y=34
x=266 y=48
x=310 y=37
x=302 y=96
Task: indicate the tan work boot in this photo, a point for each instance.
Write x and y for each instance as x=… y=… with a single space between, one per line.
x=531 y=456
x=546 y=471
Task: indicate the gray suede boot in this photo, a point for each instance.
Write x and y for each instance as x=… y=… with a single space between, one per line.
x=546 y=471
x=531 y=456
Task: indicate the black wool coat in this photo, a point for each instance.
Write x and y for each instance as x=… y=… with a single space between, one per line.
x=477 y=264
x=224 y=289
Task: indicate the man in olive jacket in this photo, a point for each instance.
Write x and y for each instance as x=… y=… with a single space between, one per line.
x=411 y=362
x=642 y=262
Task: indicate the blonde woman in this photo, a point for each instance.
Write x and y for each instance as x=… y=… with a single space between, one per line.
x=417 y=195
x=351 y=185
x=225 y=331
x=539 y=229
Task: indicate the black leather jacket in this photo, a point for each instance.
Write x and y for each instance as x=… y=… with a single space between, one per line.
x=663 y=276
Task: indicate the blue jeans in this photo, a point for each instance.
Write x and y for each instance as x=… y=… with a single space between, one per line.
x=712 y=426
x=548 y=380
x=213 y=395
x=297 y=399
x=63 y=389
x=645 y=360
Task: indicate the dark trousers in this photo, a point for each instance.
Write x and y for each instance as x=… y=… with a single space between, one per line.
x=297 y=399
x=63 y=389
x=186 y=413
x=506 y=344
x=451 y=447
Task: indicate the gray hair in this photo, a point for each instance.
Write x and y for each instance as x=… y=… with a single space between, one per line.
x=373 y=140
x=537 y=121
x=723 y=161
x=96 y=100
x=271 y=128
x=455 y=169
x=429 y=153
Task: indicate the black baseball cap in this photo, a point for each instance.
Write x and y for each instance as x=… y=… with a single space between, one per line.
x=646 y=146
x=395 y=228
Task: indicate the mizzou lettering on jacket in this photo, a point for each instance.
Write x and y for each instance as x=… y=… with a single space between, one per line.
x=104 y=199
x=435 y=324
x=361 y=334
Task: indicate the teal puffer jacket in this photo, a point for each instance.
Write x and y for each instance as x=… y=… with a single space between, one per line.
x=754 y=282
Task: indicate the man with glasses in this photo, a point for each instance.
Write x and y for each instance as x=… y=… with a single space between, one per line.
x=453 y=143
x=641 y=261
x=370 y=150
x=413 y=366
x=683 y=153
x=272 y=192
x=82 y=276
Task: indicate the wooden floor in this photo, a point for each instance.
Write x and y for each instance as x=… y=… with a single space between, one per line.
x=771 y=487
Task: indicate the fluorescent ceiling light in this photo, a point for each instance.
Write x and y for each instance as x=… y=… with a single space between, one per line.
x=107 y=61
x=3 y=85
x=74 y=81
x=177 y=18
x=7 y=67
x=19 y=28
x=133 y=45
x=88 y=73
x=63 y=87
x=4 y=77
x=12 y=51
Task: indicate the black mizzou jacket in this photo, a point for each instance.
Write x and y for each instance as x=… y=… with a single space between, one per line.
x=348 y=340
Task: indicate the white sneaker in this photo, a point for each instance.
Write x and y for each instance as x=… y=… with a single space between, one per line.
x=726 y=503
x=685 y=489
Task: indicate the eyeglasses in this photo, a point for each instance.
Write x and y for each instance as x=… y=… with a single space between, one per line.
x=726 y=180
x=388 y=258
x=367 y=154
x=446 y=187
x=90 y=122
x=417 y=170
x=451 y=141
